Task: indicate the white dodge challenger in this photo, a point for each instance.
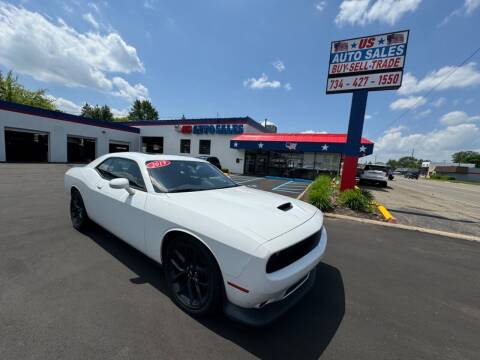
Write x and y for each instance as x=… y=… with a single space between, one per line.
x=253 y=253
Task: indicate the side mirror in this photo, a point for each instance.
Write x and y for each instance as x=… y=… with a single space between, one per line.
x=121 y=183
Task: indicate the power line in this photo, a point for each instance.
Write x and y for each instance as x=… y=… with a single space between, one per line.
x=430 y=91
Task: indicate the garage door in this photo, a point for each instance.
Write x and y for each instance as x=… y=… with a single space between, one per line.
x=80 y=149
x=26 y=145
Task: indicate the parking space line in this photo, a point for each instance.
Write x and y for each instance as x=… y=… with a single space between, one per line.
x=279 y=186
x=244 y=181
x=288 y=191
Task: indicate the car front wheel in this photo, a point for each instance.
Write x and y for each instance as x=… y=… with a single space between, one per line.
x=192 y=276
x=78 y=213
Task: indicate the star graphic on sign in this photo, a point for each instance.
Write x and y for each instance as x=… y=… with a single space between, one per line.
x=381 y=41
x=235 y=144
x=325 y=147
x=363 y=149
x=260 y=145
x=354 y=45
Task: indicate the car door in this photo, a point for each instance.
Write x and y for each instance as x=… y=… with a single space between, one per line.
x=117 y=210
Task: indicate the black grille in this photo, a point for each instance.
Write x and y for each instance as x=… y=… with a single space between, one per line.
x=287 y=256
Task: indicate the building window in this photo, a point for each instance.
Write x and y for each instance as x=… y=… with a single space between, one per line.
x=152 y=144
x=185 y=146
x=114 y=147
x=204 y=147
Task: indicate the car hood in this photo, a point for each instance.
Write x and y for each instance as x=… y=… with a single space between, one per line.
x=247 y=210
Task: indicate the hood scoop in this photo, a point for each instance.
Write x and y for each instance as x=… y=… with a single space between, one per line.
x=285 y=207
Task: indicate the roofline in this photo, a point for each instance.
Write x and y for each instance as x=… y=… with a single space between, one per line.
x=58 y=115
x=201 y=121
x=364 y=140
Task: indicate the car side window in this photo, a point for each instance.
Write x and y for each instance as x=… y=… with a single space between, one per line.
x=122 y=168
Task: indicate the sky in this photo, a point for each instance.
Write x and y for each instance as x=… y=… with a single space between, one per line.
x=266 y=59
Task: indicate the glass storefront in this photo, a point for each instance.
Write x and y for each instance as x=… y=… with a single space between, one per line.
x=290 y=164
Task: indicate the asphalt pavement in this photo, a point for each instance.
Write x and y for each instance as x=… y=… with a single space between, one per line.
x=381 y=293
x=439 y=205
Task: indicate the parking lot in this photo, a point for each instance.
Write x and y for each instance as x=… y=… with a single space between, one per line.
x=381 y=293
x=440 y=205
x=287 y=187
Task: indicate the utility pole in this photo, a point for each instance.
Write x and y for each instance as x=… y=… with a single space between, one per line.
x=413 y=152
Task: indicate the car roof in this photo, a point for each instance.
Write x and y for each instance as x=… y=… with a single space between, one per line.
x=142 y=157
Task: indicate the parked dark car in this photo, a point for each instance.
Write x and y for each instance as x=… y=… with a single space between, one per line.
x=212 y=160
x=411 y=175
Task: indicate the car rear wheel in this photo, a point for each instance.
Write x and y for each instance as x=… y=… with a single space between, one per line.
x=192 y=276
x=78 y=213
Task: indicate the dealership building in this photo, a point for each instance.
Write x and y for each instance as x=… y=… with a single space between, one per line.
x=244 y=146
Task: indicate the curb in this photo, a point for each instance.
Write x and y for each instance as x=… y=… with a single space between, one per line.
x=405 y=227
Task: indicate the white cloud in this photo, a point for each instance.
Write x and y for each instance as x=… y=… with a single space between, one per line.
x=434 y=145
x=469 y=6
x=279 y=65
x=261 y=83
x=320 y=5
x=288 y=86
x=88 y=17
x=439 y=102
x=411 y=102
x=94 y=7
x=458 y=77
x=119 y=112
x=368 y=117
x=458 y=117
x=65 y=105
x=423 y=113
x=313 y=132
x=362 y=12
x=150 y=4
x=129 y=92
x=67 y=8
x=54 y=52
x=70 y=107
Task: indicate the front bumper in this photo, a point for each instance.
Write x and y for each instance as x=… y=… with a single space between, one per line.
x=270 y=312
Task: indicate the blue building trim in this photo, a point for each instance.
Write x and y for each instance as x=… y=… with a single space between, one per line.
x=327 y=147
x=57 y=115
x=206 y=121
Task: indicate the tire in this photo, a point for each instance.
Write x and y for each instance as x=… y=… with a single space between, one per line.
x=78 y=213
x=192 y=276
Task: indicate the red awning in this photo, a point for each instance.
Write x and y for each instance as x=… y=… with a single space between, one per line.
x=296 y=137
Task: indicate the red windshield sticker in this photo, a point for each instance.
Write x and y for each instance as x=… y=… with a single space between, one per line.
x=158 y=164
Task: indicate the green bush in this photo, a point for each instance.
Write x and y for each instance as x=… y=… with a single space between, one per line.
x=367 y=194
x=356 y=200
x=442 y=177
x=226 y=171
x=321 y=193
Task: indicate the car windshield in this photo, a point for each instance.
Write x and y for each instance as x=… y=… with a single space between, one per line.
x=183 y=176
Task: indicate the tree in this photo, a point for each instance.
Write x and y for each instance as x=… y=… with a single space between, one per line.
x=143 y=110
x=97 y=112
x=467 y=157
x=11 y=90
x=405 y=162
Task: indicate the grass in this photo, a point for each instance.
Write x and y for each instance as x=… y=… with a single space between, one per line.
x=325 y=195
x=455 y=181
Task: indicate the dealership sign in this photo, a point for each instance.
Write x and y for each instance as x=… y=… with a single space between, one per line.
x=367 y=63
x=210 y=129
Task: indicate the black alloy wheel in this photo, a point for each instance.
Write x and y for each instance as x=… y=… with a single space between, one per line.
x=192 y=276
x=78 y=213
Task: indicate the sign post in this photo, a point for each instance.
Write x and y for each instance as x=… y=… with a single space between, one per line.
x=359 y=65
